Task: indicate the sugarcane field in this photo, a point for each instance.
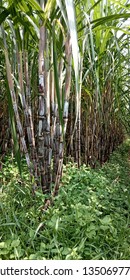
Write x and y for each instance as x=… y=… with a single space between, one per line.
x=65 y=130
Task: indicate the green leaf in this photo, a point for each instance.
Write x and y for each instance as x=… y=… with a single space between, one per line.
x=15 y=243
x=106 y=220
x=70 y=8
x=38 y=228
x=3 y=245
x=55 y=61
x=103 y=20
x=4 y=15
x=50 y=6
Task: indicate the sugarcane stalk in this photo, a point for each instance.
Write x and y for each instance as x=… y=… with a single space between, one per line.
x=59 y=133
x=32 y=143
x=15 y=107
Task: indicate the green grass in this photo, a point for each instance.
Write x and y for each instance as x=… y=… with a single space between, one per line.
x=90 y=218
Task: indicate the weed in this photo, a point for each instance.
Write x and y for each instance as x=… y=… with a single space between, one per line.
x=89 y=220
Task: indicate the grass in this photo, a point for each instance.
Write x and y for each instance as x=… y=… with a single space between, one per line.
x=90 y=218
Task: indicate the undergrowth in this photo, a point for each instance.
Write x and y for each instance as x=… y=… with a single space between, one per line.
x=90 y=218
